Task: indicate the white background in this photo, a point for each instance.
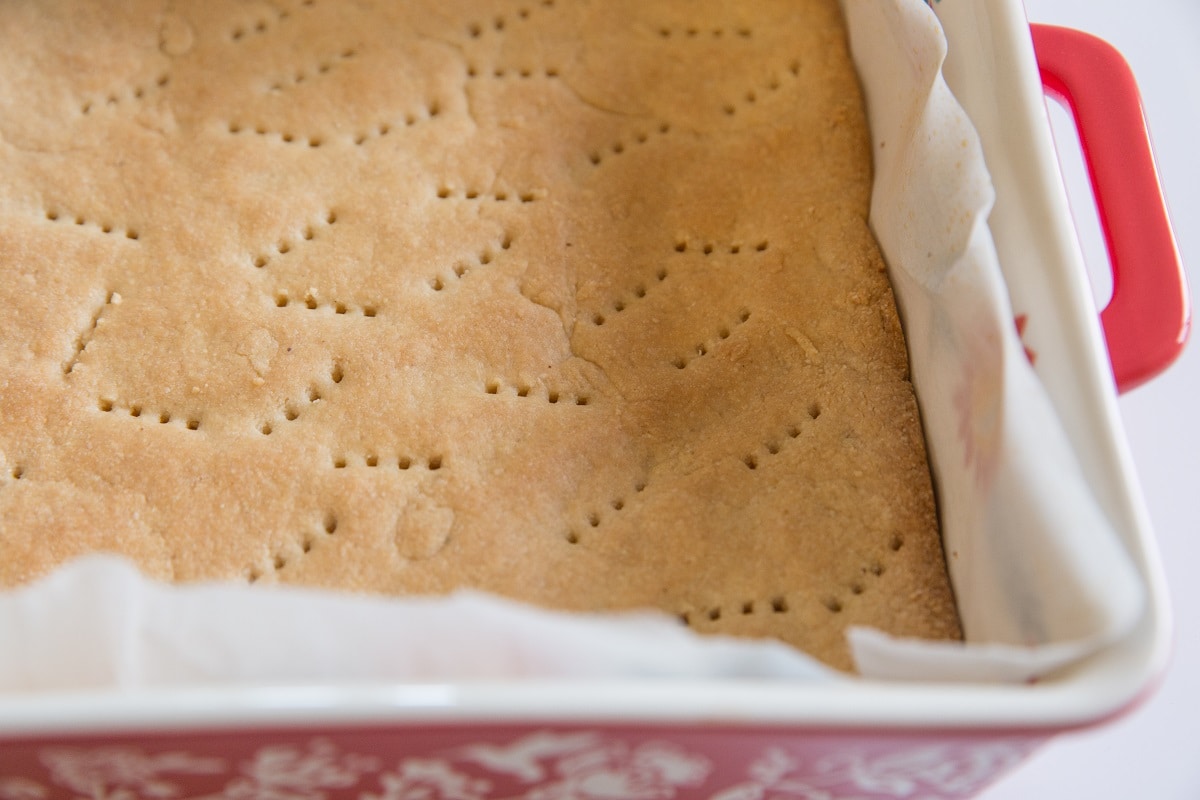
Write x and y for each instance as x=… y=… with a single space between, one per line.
x=1154 y=752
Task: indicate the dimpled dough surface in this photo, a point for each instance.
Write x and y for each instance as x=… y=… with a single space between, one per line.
x=571 y=301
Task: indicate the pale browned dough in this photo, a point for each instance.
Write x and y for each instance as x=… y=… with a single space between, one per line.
x=575 y=302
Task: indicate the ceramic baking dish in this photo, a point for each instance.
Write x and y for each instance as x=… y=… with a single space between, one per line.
x=731 y=739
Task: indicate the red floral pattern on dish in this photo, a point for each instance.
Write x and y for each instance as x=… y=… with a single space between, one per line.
x=978 y=401
x=1021 y=321
x=510 y=764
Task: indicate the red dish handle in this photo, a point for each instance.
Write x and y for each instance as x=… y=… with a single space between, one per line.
x=1146 y=323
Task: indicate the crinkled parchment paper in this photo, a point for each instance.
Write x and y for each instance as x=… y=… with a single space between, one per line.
x=1040 y=576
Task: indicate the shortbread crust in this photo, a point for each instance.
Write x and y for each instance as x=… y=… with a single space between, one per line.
x=573 y=302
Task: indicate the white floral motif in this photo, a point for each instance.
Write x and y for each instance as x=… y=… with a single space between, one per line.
x=769 y=776
x=769 y=779
x=930 y=772
x=651 y=771
x=121 y=773
x=588 y=768
x=576 y=766
x=284 y=772
x=557 y=766
x=523 y=758
x=951 y=771
x=21 y=789
x=426 y=779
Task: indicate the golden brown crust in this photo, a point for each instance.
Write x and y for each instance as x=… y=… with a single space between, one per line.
x=572 y=302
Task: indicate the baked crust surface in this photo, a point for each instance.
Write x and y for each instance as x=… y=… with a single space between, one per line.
x=574 y=302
